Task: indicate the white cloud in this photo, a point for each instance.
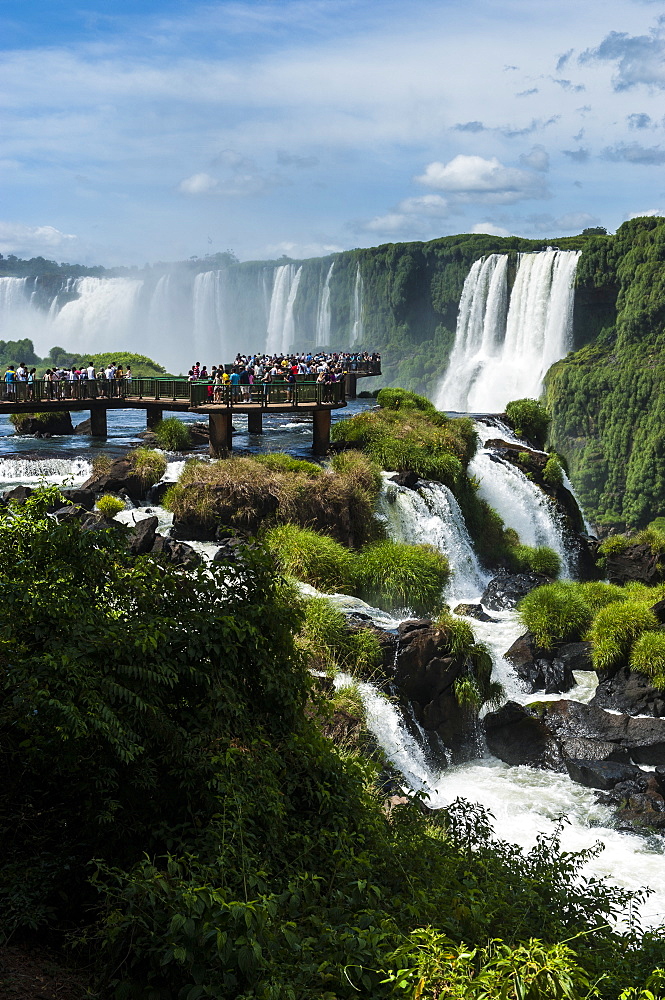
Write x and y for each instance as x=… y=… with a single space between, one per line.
x=639 y=58
x=427 y=204
x=649 y=212
x=490 y=229
x=393 y=222
x=537 y=159
x=20 y=239
x=199 y=184
x=301 y=251
x=475 y=179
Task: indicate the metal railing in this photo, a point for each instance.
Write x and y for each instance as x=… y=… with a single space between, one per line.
x=156 y=390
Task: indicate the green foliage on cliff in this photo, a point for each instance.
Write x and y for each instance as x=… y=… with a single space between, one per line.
x=529 y=419
x=180 y=815
x=606 y=399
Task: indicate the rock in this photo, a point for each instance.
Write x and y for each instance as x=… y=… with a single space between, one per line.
x=425 y=674
x=408 y=479
x=83 y=498
x=603 y=774
x=659 y=777
x=142 y=536
x=18 y=493
x=539 y=669
x=176 y=552
x=71 y=512
x=52 y=423
x=119 y=479
x=636 y=562
x=157 y=493
x=505 y=590
x=629 y=691
x=537 y=734
x=473 y=611
x=85 y=427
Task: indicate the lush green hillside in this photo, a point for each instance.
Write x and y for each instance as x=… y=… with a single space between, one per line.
x=606 y=399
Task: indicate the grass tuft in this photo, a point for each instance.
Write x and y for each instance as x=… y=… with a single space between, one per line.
x=614 y=630
x=648 y=656
x=313 y=557
x=149 y=465
x=108 y=506
x=393 y=576
x=173 y=435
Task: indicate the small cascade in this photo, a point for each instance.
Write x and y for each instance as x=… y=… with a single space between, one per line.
x=357 y=324
x=499 y=355
x=323 y=312
x=49 y=469
x=431 y=515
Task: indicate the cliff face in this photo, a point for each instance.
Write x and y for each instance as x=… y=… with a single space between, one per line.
x=606 y=399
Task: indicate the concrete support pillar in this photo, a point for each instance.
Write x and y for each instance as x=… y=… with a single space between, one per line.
x=255 y=422
x=220 y=426
x=321 y=432
x=153 y=414
x=351 y=382
x=98 y=422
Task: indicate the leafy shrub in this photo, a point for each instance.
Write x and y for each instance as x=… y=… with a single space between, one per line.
x=648 y=656
x=149 y=465
x=393 y=576
x=613 y=545
x=614 y=630
x=652 y=537
x=108 y=506
x=553 y=472
x=173 y=435
x=555 y=613
x=313 y=557
x=402 y=399
x=529 y=419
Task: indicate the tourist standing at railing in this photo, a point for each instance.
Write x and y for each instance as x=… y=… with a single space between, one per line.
x=10 y=381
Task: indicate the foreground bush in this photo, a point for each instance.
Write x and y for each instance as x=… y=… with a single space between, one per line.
x=173 y=435
x=394 y=576
x=313 y=557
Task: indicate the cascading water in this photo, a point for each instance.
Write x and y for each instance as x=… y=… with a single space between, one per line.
x=357 y=324
x=497 y=356
x=431 y=515
x=280 y=320
x=323 y=313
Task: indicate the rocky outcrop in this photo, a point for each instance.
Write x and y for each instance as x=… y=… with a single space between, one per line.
x=545 y=734
x=628 y=691
x=505 y=589
x=408 y=479
x=44 y=424
x=473 y=611
x=120 y=479
x=548 y=670
x=635 y=562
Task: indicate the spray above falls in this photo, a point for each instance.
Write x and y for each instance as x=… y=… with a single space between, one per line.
x=504 y=344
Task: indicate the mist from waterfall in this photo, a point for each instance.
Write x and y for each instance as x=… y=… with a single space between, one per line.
x=323 y=312
x=505 y=345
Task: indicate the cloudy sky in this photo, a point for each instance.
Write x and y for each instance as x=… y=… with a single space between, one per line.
x=139 y=130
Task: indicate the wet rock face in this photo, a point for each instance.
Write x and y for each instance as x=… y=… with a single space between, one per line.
x=425 y=674
x=545 y=734
x=473 y=611
x=636 y=562
x=53 y=423
x=547 y=670
x=505 y=590
x=408 y=479
x=120 y=479
x=628 y=691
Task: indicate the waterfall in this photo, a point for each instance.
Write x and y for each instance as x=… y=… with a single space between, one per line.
x=208 y=317
x=103 y=311
x=15 y=309
x=49 y=469
x=497 y=355
x=281 y=324
x=323 y=313
x=357 y=325
x=431 y=515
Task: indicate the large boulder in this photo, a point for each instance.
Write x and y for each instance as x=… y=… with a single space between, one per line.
x=548 y=670
x=425 y=674
x=120 y=479
x=176 y=552
x=635 y=562
x=473 y=611
x=544 y=734
x=603 y=774
x=44 y=424
x=506 y=589
x=629 y=691
x=142 y=536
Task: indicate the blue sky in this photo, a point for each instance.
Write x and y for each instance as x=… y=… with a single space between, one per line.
x=165 y=130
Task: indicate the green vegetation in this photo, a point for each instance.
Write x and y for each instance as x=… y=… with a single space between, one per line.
x=108 y=506
x=182 y=821
x=392 y=576
x=402 y=399
x=648 y=656
x=22 y=420
x=149 y=465
x=173 y=435
x=530 y=420
x=606 y=402
x=253 y=494
x=614 y=630
x=313 y=557
x=553 y=472
x=330 y=645
x=555 y=613
x=542 y=559
x=474 y=688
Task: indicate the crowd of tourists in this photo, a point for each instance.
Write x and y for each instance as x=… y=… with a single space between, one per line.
x=65 y=383
x=250 y=375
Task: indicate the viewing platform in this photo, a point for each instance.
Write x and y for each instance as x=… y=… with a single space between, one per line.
x=157 y=395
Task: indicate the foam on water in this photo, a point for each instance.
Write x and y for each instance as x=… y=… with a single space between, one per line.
x=29 y=472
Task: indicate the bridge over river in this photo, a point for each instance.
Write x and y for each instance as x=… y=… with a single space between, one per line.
x=159 y=395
